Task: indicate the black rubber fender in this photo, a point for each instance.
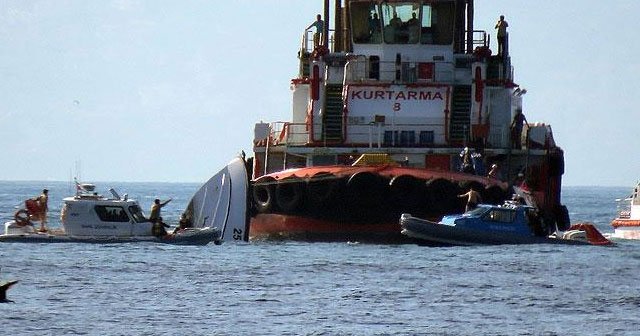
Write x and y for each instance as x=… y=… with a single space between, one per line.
x=367 y=189
x=264 y=195
x=322 y=188
x=408 y=192
x=443 y=198
x=290 y=194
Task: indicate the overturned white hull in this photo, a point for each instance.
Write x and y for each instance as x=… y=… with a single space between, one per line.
x=222 y=202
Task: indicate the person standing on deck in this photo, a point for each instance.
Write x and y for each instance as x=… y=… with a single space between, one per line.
x=319 y=24
x=467 y=162
x=501 y=26
x=473 y=199
x=155 y=210
x=43 y=203
x=519 y=120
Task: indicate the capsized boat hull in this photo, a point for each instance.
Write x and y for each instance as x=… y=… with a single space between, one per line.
x=431 y=233
x=202 y=236
x=222 y=202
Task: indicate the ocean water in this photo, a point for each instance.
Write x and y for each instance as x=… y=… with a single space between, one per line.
x=293 y=288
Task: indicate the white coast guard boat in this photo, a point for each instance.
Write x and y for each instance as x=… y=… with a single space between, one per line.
x=93 y=218
x=627 y=223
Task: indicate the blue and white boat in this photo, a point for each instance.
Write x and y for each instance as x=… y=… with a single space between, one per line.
x=510 y=223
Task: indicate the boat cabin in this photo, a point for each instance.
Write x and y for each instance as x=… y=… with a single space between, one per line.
x=90 y=214
x=508 y=218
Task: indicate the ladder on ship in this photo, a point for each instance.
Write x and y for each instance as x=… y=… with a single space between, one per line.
x=459 y=124
x=332 y=116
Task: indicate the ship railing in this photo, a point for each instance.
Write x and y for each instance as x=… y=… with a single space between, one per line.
x=363 y=70
x=479 y=38
x=375 y=135
x=308 y=44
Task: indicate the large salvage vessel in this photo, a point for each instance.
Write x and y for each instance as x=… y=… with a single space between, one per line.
x=626 y=225
x=398 y=107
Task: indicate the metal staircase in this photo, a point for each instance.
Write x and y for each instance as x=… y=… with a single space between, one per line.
x=459 y=125
x=332 y=116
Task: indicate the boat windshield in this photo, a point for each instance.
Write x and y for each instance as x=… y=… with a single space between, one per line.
x=502 y=215
x=477 y=212
x=137 y=214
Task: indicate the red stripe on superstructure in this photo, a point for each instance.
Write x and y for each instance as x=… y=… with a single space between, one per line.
x=625 y=223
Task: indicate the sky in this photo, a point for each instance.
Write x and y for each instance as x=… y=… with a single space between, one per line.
x=169 y=91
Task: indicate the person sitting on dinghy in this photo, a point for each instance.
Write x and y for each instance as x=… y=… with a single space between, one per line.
x=184 y=223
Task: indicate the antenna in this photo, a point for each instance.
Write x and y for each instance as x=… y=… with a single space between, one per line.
x=79 y=170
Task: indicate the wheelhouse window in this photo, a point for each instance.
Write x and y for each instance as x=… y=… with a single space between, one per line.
x=437 y=23
x=401 y=22
x=365 y=23
x=111 y=213
x=408 y=22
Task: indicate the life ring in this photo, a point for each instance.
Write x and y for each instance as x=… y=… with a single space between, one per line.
x=289 y=194
x=22 y=217
x=263 y=196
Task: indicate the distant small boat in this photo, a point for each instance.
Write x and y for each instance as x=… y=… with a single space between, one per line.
x=494 y=225
x=217 y=212
x=627 y=223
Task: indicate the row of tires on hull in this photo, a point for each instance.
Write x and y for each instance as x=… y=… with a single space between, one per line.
x=366 y=196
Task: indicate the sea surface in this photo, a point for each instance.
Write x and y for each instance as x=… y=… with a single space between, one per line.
x=294 y=288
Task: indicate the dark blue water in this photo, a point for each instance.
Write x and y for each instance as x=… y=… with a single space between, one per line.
x=290 y=288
